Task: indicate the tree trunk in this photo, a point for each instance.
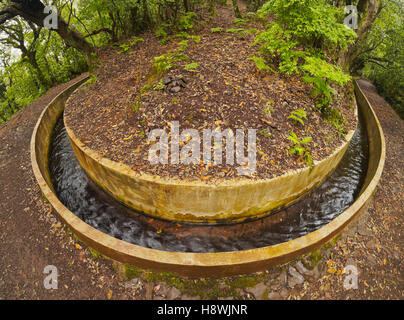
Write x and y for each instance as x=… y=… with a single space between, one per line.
x=368 y=11
x=31 y=59
x=237 y=12
x=186 y=5
x=33 y=11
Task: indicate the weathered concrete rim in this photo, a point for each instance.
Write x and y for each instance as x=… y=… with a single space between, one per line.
x=202 y=264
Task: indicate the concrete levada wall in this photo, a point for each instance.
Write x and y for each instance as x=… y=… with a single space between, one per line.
x=221 y=200
x=201 y=264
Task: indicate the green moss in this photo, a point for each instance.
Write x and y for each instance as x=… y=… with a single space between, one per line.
x=315 y=258
x=44 y=197
x=132 y=272
x=94 y=253
x=76 y=238
x=92 y=79
x=332 y=243
x=244 y=282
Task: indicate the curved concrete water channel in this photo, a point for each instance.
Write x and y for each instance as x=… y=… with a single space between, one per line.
x=102 y=222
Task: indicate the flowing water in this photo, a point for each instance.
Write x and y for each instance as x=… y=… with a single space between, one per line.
x=98 y=209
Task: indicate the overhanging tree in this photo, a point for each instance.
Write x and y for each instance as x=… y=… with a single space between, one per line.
x=33 y=11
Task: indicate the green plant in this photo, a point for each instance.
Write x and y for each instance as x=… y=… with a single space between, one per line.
x=265 y=133
x=187 y=36
x=91 y=80
x=166 y=61
x=161 y=33
x=321 y=74
x=261 y=65
x=233 y=30
x=159 y=85
x=300 y=147
x=298 y=116
x=162 y=64
x=187 y=21
x=240 y=22
x=127 y=46
x=191 y=66
x=136 y=105
x=276 y=43
x=297 y=39
x=216 y=30
x=316 y=23
x=183 y=45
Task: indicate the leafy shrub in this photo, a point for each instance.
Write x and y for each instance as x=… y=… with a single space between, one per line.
x=260 y=64
x=216 y=30
x=314 y=22
x=235 y=30
x=321 y=74
x=162 y=33
x=127 y=46
x=298 y=116
x=187 y=21
x=191 y=66
x=300 y=147
x=240 y=22
x=166 y=61
x=296 y=40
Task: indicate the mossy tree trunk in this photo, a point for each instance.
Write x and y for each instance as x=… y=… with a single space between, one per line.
x=33 y=12
x=237 y=12
x=368 y=10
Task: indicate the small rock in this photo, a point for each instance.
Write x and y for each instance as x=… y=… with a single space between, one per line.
x=175 y=89
x=161 y=289
x=282 y=278
x=350 y=262
x=295 y=277
x=284 y=293
x=300 y=268
x=131 y=284
x=372 y=260
x=371 y=244
x=258 y=291
x=316 y=273
x=173 y=293
x=167 y=81
x=274 y=296
x=363 y=230
x=240 y=292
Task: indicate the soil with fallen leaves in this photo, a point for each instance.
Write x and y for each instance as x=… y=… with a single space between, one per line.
x=129 y=99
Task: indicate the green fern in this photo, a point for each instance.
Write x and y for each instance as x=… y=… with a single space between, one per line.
x=298 y=116
x=300 y=147
x=260 y=64
x=191 y=66
x=216 y=30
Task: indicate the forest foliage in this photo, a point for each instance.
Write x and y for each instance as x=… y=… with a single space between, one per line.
x=382 y=58
x=302 y=36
